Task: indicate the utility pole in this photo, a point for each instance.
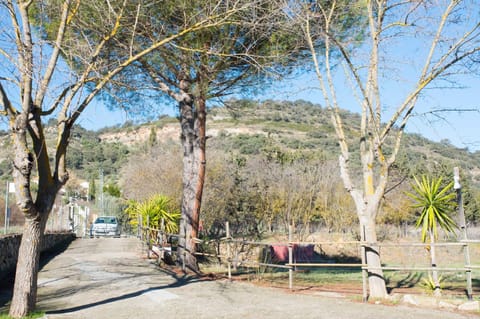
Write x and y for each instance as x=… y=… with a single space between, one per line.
x=102 y=202
x=87 y=213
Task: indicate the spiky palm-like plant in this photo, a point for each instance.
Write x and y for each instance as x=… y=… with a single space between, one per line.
x=435 y=203
x=154 y=210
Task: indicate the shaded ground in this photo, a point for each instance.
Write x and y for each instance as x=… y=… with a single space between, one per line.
x=107 y=278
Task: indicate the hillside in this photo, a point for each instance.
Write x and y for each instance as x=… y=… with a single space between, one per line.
x=267 y=162
x=244 y=127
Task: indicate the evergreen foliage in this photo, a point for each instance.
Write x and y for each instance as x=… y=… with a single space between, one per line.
x=153 y=211
x=436 y=203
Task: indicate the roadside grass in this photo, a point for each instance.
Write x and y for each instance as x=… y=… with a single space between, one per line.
x=351 y=279
x=348 y=279
x=334 y=248
x=34 y=315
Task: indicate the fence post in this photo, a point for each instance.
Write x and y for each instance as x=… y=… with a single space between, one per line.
x=148 y=237
x=468 y=270
x=463 y=226
x=139 y=228
x=229 y=251
x=162 y=240
x=290 y=256
x=363 y=252
x=183 y=260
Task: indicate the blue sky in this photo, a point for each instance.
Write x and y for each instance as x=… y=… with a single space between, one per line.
x=462 y=129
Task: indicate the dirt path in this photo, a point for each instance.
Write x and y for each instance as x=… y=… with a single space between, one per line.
x=106 y=278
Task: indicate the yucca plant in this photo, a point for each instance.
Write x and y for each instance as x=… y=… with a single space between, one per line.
x=154 y=210
x=429 y=283
x=435 y=203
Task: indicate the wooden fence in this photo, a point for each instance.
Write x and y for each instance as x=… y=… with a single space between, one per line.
x=157 y=242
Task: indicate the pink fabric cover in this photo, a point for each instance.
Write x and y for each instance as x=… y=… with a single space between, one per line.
x=301 y=253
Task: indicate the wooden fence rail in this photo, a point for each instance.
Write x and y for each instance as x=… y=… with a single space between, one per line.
x=159 y=238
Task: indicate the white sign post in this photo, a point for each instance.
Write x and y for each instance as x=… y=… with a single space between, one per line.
x=463 y=226
x=9 y=189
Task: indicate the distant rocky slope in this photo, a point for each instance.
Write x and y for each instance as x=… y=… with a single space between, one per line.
x=244 y=126
x=298 y=125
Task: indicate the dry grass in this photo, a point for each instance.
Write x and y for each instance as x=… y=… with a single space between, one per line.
x=339 y=248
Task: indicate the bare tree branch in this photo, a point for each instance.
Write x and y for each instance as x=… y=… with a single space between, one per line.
x=42 y=89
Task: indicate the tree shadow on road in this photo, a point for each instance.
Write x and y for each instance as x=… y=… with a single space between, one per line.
x=5 y=297
x=180 y=280
x=8 y=280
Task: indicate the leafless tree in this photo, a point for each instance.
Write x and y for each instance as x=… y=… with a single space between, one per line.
x=440 y=38
x=156 y=172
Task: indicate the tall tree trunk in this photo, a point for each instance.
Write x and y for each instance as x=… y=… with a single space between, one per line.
x=36 y=213
x=193 y=122
x=367 y=208
x=186 y=245
x=25 y=289
x=201 y=162
x=376 y=280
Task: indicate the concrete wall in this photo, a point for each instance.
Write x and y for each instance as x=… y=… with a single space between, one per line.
x=9 y=249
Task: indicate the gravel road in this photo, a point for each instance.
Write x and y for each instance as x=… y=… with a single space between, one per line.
x=107 y=278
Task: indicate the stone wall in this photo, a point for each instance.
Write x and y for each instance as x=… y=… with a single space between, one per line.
x=9 y=249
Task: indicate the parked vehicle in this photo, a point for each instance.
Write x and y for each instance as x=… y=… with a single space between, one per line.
x=105 y=226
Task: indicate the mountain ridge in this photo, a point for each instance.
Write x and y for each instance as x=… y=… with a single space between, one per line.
x=243 y=126
x=297 y=125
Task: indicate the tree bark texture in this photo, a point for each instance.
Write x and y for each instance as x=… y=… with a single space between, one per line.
x=376 y=280
x=367 y=207
x=25 y=289
x=36 y=212
x=193 y=123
